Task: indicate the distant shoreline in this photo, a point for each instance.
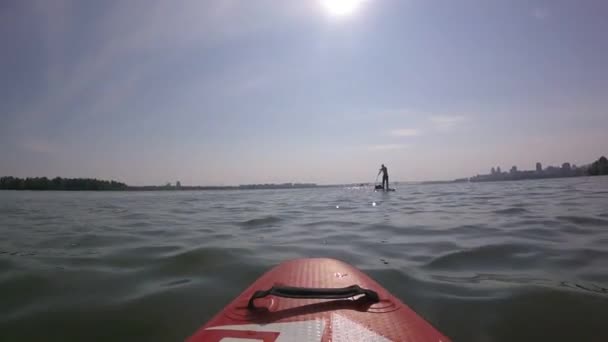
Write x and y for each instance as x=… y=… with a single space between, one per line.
x=227 y=187
x=92 y=184
x=597 y=168
x=567 y=170
x=503 y=180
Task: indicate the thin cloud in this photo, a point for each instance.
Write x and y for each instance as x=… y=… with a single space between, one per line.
x=162 y=27
x=447 y=122
x=387 y=147
x=40 y=146
x=540 y=13
x=406 y=132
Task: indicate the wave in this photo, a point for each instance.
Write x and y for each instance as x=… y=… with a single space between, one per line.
x=190 y=262
x=591 y=287
x=503 y=252
x=539 y=233
x=334 y=223
x=521 y=280
x=262 y=221
x=484 y=197
x=473 y=230
x=511 y=211
x=492 y=256
x=584 y=220
x=184 y=211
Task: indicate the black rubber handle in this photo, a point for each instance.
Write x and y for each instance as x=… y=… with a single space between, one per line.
x=312 y=293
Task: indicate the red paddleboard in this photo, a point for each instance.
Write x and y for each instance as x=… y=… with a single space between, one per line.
x=316 y=300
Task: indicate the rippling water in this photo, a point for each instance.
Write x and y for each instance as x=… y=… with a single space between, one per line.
x=513 y=261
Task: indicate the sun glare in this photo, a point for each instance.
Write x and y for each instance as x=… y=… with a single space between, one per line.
x=341 y=8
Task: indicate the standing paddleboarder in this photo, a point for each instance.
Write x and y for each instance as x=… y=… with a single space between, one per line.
x=384 y=172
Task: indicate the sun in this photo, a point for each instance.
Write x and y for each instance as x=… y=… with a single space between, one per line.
x=341 y=8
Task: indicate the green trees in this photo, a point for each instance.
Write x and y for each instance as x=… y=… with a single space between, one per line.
x=58 y=183
x=599 y=167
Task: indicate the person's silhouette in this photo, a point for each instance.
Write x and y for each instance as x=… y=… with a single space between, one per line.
x=384 y=172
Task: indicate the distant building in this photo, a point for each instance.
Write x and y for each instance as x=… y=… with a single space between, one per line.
x=552 y=171
x=566 y=170
x=178 y=184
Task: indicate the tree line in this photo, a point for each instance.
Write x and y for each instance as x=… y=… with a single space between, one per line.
x=58 y=183
x=599 y=167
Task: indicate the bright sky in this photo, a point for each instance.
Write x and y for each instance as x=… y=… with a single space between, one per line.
x=231 y=92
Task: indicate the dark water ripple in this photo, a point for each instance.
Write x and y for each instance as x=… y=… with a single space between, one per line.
x=525 y=261
x=584 y=221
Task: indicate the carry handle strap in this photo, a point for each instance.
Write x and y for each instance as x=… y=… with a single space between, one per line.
x=314 y=293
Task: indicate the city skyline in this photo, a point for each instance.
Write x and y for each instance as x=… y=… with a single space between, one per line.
x=228 y=92
x=566 y=169
x=496 y=174
x=538 y=167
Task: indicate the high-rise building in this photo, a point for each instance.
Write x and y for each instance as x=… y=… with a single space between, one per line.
x=493 y=171
x=498 y=170
x=513 y=169
x=539 y=167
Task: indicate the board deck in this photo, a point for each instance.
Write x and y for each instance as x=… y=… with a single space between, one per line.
x=357 y=318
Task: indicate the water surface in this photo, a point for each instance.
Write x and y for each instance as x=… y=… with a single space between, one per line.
x=512 y=261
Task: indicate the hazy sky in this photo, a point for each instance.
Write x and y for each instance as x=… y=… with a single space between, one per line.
x=231 y=92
